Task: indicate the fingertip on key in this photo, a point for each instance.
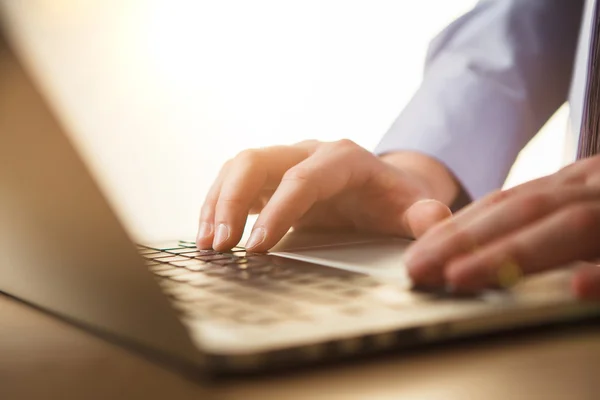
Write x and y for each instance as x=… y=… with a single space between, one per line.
x=204 y=237
x=257 y=238
x=222 y=235
x=421 y=269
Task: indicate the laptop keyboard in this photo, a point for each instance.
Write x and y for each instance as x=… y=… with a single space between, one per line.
x=249 y=288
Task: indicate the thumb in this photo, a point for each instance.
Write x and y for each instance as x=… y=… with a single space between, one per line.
x=586 y=282
x=424 y=214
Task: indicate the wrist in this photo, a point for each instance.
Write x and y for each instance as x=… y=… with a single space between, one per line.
x=439 y=182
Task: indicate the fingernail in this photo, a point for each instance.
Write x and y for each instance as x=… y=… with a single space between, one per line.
x=256 y=238
x=205 y=230
x=221 y=235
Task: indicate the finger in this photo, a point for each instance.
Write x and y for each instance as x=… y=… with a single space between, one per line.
x=586 y=283
x=260 y=202
x=323 y=216
x=331 y=169
x=309 y=145
x=568 y=235
x=419 y=218
x=426 y=260
x=474 y=210
x=499 y=196
x=206 y=229
x=425 y=214
x=249 y=173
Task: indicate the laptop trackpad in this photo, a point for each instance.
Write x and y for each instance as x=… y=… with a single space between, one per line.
x=376 y=256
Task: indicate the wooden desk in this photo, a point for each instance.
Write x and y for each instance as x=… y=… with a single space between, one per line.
x=44 y=358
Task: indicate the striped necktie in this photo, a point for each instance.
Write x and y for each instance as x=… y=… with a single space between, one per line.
x=589 y=137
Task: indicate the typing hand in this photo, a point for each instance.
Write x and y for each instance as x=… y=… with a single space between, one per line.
x=542 y=224
x=315 y=184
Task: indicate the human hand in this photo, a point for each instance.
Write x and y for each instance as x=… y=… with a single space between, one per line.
x=540 y=225
x=322 y=185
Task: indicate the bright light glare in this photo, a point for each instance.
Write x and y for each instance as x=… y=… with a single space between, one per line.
x=158 y=94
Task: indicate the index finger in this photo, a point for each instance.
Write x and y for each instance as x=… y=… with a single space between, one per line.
x=248 y=174
x=331 y=169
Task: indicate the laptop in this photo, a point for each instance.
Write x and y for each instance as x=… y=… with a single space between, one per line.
x=317 y=296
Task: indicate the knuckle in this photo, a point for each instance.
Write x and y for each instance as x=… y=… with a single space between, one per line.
x=342 y=150
x=226 y=166
x=308 y=143
x=298 y=174
x=342 y=145
x=497 y=197
x=583 y=218
x=570 y=175
x=206 y=212
x=249 y=157
x=590 y=163
x=463 y=239
x=232 y=202
x=535 y=203
x=346 y=143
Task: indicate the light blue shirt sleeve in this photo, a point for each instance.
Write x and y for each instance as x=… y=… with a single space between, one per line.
x=492 y=79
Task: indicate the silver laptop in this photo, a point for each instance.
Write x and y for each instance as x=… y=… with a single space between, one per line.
x=317 y=296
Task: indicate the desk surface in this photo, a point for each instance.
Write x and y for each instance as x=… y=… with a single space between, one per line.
x=44 y=358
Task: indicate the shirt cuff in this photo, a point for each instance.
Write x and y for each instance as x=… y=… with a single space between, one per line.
x=472 y=126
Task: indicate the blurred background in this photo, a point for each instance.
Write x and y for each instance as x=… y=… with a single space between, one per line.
x=159 y=93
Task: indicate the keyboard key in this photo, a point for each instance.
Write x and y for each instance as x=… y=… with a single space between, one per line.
x=352 y=310
x=186 y=277
x=201 y=280
x=316 y=298
x=274 y=287
x=186 y=243
x=224 y=261
x=170 y=245
x=157 y=256
x=171 y=272
x=253 y=298
x=279 y=273
x=168 y=285
x=150 y=263
x=253 y=318
x=351 y=293
x=185 y=250
x=364 y=281
x=193 y=253
x=147 y=251
x=173 y=259
x=222 y=310
x=188 y=293
x=229 y=291
x=216 y=256
x=395 y=297
x=303 y=281
x=331 y=287
x=160 y=267
x=192 y=265
x=222 y=272
x=244 y=253
x=208 y=252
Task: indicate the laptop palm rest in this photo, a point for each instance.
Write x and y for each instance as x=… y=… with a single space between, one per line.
x=377 y=256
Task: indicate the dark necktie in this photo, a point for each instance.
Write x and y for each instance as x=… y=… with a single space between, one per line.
x=589 y=138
